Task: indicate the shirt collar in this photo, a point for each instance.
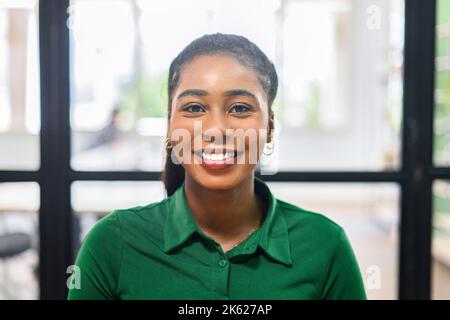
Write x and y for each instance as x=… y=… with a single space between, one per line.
x=272 y=235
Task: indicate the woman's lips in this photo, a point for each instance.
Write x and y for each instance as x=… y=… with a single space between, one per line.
x=217 y=164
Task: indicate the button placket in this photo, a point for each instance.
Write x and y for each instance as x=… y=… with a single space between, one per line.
x=221 y=271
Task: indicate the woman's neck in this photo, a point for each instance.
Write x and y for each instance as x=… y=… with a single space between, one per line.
x=224 y=214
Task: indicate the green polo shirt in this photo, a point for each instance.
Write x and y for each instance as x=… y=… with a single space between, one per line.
x=158 y=252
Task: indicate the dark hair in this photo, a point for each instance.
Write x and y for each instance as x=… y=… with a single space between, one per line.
x=239 y=47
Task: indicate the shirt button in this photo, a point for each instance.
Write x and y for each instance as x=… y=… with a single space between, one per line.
x=222 y=263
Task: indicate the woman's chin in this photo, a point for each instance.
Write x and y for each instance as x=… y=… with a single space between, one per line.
x=219 y=179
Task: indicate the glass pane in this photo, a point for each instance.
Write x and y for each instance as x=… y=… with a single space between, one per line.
x=441 y=240
x=340 y=90
x=442 y=94
x=369 y=214
x=341 y=94
x=19 y=241
x=19 y=85
x=109 y=196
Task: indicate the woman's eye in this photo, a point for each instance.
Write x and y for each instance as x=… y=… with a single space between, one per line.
x=194 y=108
x=239 y=108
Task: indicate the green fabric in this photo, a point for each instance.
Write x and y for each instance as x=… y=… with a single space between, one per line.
x=158 y=252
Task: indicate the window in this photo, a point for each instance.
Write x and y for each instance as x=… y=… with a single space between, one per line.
x=19 y=85
x=344 y=116
x=441 y=157
x=441 y=239
x=19 y=233
x=442 y=95
x=339 y=94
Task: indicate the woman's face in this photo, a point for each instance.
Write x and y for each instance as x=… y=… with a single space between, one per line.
x=221 y=104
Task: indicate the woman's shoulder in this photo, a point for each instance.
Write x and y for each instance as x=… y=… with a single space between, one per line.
x=152 y=211
x=136 y=224
x=121 y=219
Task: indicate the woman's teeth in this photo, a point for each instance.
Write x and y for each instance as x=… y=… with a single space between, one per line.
x=217 y=157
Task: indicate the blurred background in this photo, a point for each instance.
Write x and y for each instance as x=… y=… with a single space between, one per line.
x=339 y=108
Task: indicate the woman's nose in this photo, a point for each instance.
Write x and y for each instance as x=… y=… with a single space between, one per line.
x=215 y=125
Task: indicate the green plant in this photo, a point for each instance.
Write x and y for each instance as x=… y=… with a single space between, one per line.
x=146 y=97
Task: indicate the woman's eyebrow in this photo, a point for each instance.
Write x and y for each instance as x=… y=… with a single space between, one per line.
x=239 y=92
x=192 y=92
x=229 y=93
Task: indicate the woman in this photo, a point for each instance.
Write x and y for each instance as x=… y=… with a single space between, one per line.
x=220 y=233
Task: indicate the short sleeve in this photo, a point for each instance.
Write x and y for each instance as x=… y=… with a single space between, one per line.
x=99 y=261
x=344 y=280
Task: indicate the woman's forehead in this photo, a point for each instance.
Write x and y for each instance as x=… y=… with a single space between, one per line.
x=218 y=71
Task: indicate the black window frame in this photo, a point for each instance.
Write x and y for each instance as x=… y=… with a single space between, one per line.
x=415 y=177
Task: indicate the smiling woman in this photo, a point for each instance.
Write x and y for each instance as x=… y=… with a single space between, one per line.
x=219 y=233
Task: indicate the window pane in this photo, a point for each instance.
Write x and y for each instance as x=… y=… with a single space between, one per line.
x=339 y=100
x=108 y=197
x=442 y=94
x=369 y=214
x=19 y=85
x=19 y=238
x=441 y=240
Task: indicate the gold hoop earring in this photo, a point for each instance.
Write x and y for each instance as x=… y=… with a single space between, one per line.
x=268 y=148
x=168 y=144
